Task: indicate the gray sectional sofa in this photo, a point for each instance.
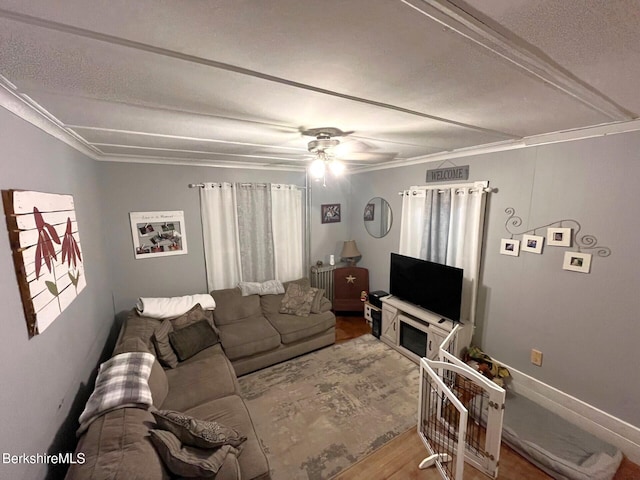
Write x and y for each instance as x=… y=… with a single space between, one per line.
x=253 y=334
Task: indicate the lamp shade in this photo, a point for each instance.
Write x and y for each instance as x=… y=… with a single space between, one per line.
x=350 y=250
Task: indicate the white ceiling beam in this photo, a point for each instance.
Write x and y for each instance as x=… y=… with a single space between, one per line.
x=114 y=40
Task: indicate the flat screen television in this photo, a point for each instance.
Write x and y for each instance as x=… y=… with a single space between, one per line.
x=433 y=286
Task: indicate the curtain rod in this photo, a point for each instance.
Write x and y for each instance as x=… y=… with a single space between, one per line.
x=201 y=185
x=458 y=190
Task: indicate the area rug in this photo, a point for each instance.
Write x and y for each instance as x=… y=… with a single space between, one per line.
x=320 y=413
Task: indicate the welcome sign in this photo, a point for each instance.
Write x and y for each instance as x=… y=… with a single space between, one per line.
x=448 y=174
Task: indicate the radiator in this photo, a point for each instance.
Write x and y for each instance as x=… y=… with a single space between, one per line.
x=322 y=277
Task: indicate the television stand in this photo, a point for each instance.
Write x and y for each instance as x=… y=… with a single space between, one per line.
x=416 y=332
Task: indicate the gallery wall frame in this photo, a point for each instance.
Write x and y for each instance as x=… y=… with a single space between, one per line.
x=158 y=234
x=509 y=246
x=47 y=254
x=577 y=262
x=532 y=244
x=558 y=237
x=559 y=234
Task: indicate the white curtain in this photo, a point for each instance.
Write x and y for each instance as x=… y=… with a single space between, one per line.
x=252 y=232
x=288 y=240
x=220 y=232
x=444 y=224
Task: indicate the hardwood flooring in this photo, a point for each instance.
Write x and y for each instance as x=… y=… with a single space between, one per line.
x=348 y=327
x=399 y=458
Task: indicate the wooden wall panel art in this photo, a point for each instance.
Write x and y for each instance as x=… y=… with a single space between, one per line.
x=47 y=254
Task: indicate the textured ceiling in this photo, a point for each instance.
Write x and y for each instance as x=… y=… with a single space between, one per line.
x=235 y=82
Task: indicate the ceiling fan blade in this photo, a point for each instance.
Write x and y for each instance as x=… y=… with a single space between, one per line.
x=369 y=157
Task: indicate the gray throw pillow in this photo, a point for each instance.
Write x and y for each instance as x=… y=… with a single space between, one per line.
x=197 y=433
x=160 y=338
x=185 y=461
x=297 y=300
x=190 y=340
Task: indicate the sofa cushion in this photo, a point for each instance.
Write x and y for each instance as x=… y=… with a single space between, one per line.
x=158 y=383
x=188 y=461
x=117 y=446
x=293 y=328
x=232 y=412
x=203 y=377
x=188 y=341
x=231 y=306
x=195 y=432
x=248 y=336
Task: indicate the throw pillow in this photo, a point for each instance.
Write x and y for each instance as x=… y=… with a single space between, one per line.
x=297 y=300
x=158 y=383
x=317 y=300
x=163 y=347
x=197 y=433
x=185 y=461
x=166 y=355
x=190 y=340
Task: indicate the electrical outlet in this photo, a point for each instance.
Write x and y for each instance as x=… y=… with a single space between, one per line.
x=536 y=357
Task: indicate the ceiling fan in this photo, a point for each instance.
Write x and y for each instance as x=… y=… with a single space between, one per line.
x=323 y=151
x=329 y=153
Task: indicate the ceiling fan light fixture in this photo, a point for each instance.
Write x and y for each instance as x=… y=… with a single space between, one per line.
x=317 y=168
x=336 y=167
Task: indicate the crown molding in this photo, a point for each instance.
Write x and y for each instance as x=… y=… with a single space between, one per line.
x=27 y=109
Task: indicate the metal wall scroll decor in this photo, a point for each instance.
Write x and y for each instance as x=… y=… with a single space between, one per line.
x=561 y=233
x=47 y=254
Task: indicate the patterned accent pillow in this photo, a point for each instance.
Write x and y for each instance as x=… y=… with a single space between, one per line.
x=197 y=433
x=270 y=287
x=297 y=300
x=122 y=380
x=188 y=462
x=317 y=299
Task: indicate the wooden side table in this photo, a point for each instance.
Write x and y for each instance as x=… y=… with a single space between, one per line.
x=348 y=284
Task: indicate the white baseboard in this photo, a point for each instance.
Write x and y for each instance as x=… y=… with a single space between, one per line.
x=601 y=424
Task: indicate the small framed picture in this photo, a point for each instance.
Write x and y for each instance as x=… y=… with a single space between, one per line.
x=509 y=246
x=330 y=213
x=577 y=262
x=559 y=237
x=532 y=243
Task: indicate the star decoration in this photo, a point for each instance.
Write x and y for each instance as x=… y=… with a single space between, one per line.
x=350 y=279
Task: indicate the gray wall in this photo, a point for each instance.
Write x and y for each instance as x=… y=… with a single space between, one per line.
x=44 y=380
x=140 y=188
x=587 y=326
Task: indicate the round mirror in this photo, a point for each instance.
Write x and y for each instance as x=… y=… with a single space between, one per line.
x=377 y=217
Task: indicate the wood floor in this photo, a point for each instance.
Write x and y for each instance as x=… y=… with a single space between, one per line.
x=399 y=458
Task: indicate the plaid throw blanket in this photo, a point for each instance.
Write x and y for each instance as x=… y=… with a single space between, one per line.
x=122 y=382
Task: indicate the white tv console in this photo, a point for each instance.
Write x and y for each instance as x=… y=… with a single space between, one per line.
x=416 y=332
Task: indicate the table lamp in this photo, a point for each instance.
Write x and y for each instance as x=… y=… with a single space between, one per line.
x=350 y=252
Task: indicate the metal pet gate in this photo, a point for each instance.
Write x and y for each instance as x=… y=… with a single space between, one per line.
x=460 y=415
